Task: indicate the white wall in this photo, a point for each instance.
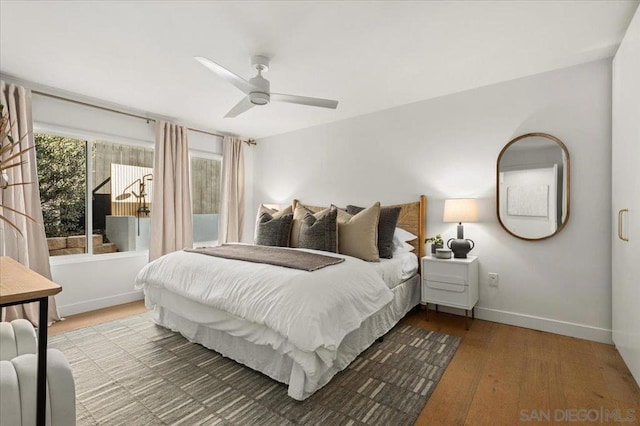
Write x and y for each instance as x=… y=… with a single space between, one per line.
x=93 y=282
x=447 y=147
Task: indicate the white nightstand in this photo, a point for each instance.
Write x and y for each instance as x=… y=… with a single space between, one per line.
x=451 y=282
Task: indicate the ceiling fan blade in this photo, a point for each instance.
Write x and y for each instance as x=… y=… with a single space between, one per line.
x=242 y=106
x=232 y=78
x=303 y=100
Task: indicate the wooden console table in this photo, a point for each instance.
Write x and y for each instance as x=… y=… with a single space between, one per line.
x=19 y=285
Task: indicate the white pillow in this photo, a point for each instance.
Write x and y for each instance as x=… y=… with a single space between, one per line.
x=404 y=248
x=400 y=236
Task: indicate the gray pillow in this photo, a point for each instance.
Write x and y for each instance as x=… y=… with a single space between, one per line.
x=272 y=231
x=386 y=227
x=275 y=213
x=320 y=233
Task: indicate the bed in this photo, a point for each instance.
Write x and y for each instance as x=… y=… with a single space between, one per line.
x=316 y=325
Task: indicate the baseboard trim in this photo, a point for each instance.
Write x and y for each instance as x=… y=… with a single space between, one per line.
x=564 y=328
x=104 y=302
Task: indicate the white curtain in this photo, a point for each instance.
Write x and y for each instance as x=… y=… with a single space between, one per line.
x=232 y=200
x=171 y=221
x=30 y=248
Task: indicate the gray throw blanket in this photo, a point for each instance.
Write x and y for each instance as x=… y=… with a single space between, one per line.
x=288 y=258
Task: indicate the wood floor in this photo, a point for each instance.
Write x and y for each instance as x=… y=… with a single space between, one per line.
x=501 y=375
x=87 y=319
x=505 y=375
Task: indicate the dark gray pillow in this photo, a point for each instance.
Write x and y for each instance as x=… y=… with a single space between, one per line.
x=386 y=228
x=273 y=232
x=320 y=233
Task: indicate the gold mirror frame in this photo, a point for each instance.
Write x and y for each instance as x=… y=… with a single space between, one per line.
x=566 y=175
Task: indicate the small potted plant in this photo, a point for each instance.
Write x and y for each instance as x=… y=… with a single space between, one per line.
x=436 y=243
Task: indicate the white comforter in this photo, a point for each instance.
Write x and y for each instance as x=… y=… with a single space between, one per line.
x=313 y=311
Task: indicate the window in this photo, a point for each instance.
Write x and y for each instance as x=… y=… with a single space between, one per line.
x=122 y=179
x=205 y=197
x=62 y=174
x=107 y=187
x=119 y=188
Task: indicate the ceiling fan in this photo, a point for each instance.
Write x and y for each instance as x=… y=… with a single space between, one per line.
x=257 y=88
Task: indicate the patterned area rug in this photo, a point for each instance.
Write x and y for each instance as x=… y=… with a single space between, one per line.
x=133 y=372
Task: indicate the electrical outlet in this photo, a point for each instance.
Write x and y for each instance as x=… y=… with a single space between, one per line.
x=493 y=279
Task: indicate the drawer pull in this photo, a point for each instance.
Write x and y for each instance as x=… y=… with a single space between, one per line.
x=620 y=213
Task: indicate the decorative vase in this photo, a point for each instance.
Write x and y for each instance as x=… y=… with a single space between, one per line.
x=434 y=247
x=460 y=247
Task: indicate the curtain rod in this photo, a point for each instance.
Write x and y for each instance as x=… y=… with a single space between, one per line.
x=248 y=141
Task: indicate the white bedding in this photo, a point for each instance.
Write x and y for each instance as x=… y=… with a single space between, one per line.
x=396 y=270
x=311 y=312
x=256 y=346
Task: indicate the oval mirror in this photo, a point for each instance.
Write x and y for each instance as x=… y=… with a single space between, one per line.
x=533 y=186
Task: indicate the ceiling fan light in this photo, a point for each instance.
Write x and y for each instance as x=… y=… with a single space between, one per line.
x=258 y=88
x=259 y=98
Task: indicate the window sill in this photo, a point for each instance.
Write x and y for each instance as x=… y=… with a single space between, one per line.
x=205 y=243
x=86 y=258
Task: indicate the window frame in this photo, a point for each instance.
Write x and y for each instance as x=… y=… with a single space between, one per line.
x=89 y=137
x=197 y=153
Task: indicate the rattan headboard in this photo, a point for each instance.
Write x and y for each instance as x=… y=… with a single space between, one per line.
x=413 y=218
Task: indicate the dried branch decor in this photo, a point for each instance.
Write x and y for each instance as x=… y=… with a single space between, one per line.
x=11 y=155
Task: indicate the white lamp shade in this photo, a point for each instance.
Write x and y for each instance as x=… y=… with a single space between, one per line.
x=460 y=210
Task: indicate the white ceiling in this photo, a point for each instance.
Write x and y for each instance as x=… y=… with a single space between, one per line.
x=368 y=55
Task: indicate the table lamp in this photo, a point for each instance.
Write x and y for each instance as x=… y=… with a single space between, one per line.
x=460 y=210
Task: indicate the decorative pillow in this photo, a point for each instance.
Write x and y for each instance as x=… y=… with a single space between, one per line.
x=400 y=244
x=359 y=233
x=275 y=214
x=272 y=231
x=386 y=228
x=403 y=248
x=299 y=214
x=319 y=233
x=401 y=236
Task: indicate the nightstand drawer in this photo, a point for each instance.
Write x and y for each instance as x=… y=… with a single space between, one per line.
x=453 y=273
x=447 y=293
x=445 y=278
